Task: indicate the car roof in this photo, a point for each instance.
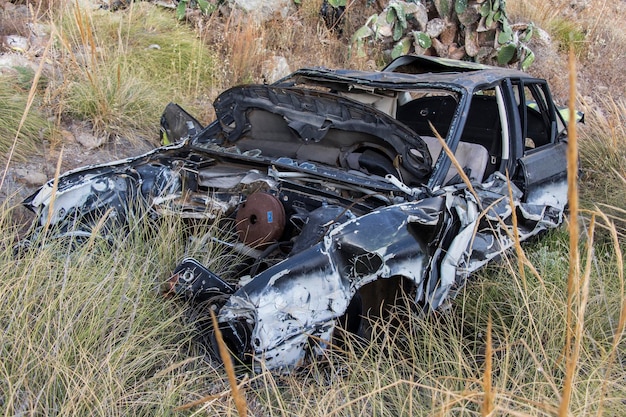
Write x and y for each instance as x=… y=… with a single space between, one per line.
x=410 y=71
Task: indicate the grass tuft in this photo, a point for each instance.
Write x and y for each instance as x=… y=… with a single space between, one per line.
x=122 y=68
x=602 y=156
x=568 y=34
x=14 y=97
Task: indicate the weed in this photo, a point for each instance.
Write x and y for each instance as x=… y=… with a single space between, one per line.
x=568 y=34
x=122 y=68
x=14 y=98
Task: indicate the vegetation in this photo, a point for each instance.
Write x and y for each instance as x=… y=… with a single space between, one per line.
x=26 y=128
x=85 y=332
x=478 y=30
x=122 y=67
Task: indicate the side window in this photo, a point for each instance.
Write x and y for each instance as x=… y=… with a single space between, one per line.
x=422 y=108
x=481 y=141
x=544 y=161
x=537 y=128
x=479 y=150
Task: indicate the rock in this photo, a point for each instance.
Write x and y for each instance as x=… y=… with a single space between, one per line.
x=16 y=43
x=542 y=37
x=68 y=137
x=275 y=68
x=168 y=4
x=38 y=29
x=9 y=61
x=87 y=139
x=262 y=10
x=435 y=27
x=30 y=176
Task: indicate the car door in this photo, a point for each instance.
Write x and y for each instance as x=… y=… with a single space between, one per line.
x=542 y=165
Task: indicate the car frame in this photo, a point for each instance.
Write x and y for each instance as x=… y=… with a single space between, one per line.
x=343 y=189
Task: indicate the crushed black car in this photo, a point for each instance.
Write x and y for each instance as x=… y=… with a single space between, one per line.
x=340 y=189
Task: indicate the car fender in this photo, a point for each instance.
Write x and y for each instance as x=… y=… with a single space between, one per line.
x=297 y=301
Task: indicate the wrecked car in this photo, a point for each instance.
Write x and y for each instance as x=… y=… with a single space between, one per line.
x=341 y=189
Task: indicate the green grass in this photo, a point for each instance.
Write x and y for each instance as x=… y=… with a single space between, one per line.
x=14 y=92
x=122 y=68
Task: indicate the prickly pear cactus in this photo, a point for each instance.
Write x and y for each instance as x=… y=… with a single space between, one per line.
x=476 y=30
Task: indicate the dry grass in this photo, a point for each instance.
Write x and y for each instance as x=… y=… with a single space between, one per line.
x=248 y=48
x=244 y=50
x=599 y=44
x=602 y=159
x=121 y=69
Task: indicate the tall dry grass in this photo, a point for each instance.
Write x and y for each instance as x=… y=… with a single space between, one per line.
x=119 y=70
x=602 y=159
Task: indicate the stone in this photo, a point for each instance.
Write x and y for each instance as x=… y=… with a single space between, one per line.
x=262 y=10
x=275 y=68
x=30 y=176
x=435 y=27
x=16 y=43
x=86 y=138
x=68 y=137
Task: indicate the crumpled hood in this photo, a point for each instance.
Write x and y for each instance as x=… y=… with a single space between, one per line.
x=310 y=116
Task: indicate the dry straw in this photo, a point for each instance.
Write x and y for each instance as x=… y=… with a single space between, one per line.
x=573 y=337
